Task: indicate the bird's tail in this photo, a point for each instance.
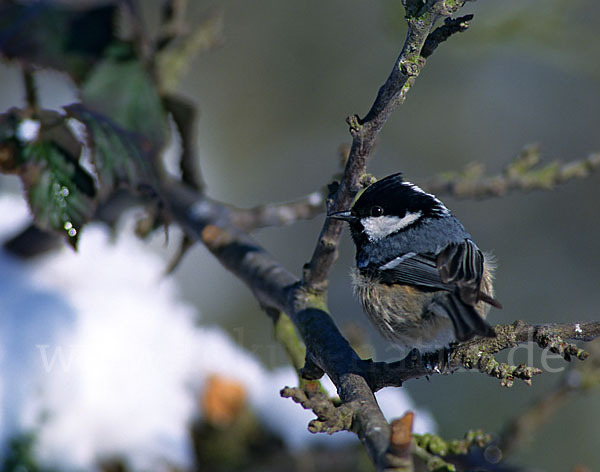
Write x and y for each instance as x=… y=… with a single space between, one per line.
x=467 y=322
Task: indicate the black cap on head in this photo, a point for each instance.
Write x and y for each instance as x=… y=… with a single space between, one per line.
x=392 y=195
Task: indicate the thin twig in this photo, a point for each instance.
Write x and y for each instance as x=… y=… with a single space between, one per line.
x=523 y=174
x=523 y=426
x=140 y=35
x=185 y=245
x=469 y=183
x=280 y=214
x=421 y=19
x=442 y=33
x=31 y=92
x=176 y=53
x=172 y=22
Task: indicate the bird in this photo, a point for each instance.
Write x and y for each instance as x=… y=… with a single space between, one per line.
x=419 y=276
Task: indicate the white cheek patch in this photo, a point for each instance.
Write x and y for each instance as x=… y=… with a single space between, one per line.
x=377 y=227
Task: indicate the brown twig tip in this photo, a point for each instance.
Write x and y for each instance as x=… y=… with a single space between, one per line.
x=402 y=433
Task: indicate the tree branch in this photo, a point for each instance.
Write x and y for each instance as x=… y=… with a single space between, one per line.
x=299 y=305
x=355 y=379
x=524 y=174
x=275 y=287
x=280 y=214
x=479 y=354
x=304 y=301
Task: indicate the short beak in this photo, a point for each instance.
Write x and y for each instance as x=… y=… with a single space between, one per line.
x=342 y=215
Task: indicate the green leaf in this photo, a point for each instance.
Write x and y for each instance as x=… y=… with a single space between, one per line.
x=123 y=90
x=51 y=35
x=60 y=192
x=120 y=158
x=53 y=185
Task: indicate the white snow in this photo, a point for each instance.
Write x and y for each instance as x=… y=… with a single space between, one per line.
x=101 y=354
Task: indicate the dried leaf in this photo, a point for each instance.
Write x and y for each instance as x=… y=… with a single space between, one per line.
x=223 y=400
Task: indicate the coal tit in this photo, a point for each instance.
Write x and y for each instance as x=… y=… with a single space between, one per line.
x=420 y=278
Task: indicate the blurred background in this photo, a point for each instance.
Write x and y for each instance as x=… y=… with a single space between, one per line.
x=272 y=101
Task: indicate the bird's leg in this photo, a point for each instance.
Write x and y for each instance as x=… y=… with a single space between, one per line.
x=413 y=359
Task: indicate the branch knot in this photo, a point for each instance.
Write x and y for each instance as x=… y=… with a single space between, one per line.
x=355 y=124
x=409 y=68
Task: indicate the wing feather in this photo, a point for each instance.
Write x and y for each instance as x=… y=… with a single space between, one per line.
x=462 y=265
x=417 y=269
x=458 y=269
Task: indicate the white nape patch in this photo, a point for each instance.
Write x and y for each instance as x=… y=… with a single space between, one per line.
x=377 y=227
x=441 y=207
x=394 y=262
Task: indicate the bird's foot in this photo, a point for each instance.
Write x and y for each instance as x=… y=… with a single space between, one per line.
x=437 y=362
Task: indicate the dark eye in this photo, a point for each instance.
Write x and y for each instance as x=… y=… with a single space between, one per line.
x=376 y=211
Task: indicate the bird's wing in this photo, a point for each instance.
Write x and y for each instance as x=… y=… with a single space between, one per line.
x=414 y=269
x=462 y=266
x=457 y=268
